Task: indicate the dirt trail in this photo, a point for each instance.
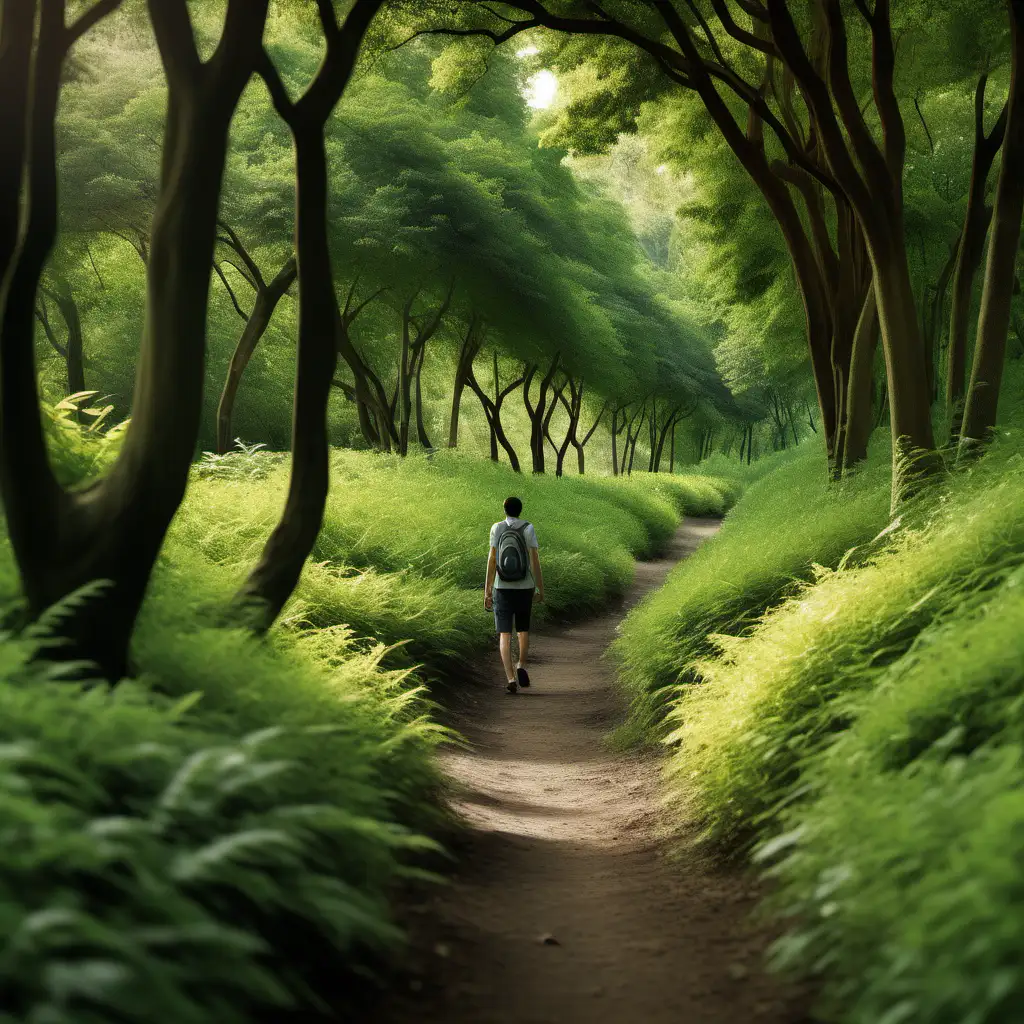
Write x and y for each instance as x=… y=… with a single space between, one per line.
x=564 y=843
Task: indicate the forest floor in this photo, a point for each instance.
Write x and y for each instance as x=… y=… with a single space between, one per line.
x=570 y=904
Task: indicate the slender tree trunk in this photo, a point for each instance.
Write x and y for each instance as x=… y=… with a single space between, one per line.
x=275 y=576
x=256 y=326
x=579 y=444
x=972 y=248
x=909 y=397
x=997 y=292
x=421 y=429
x=471 y=343
x=405 y=383
x=858 y=402
x=272 y=581
x=72 y=352
x=75 y=360
x=492 y=410
x=538 y=412
x=615 y=440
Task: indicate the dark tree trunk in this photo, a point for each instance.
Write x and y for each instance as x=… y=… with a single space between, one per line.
x=972 y=248
x=997 y=292
x=113 y=530
x=538 y=412
x=581 y=445
x=471 y=343
x=421 y=429
x=859 y=414
x=267 y=298
x=72 y=350
x=275 y=576
x=376 y=415
x=492 y=411
x=616 y=430
x=410 y=367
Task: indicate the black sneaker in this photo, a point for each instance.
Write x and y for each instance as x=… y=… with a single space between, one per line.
x=512 y=686
x=523 y=676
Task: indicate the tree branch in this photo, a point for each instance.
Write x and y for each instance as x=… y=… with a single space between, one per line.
x=234 y=242
x=91 y=17
x=924 y=124
x=234 y=301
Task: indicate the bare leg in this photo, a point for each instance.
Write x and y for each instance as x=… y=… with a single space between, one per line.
x=505 y=645
x=524 y=648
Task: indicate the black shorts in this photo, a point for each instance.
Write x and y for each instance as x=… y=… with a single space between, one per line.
x=512 y=608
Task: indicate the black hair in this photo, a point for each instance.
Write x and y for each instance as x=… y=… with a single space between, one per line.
x=513 y=506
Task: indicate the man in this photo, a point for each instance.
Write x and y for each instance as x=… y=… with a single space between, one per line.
x=514 y=582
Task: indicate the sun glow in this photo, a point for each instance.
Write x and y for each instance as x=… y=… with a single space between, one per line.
x=541 y=89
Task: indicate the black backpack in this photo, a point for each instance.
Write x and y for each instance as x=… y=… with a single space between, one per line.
x=513 y=559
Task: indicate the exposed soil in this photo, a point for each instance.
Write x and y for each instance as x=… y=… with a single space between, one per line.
x=569 y=904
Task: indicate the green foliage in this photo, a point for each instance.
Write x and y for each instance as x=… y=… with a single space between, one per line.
x=158 y=854
x=787 y=521
x=864 y=727
x=82 y=440
x=223 y=832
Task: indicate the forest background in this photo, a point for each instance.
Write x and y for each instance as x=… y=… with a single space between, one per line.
x=739 y=229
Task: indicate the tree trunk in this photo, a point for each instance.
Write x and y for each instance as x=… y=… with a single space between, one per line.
x=616 y=430
x=275 y=576
x=997 y=292
x=272 y=581
x=113 y=530
x=859 y=419
x=492 y=411
x=936 y=316
x=972 y=248
x=580 y=445
x=537 y=413
x=421 y=429
x=256 y=326
x=909 y=398
x=405 y=383
x=471 y=343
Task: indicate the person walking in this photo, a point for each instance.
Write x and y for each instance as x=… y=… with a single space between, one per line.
x=514 y=582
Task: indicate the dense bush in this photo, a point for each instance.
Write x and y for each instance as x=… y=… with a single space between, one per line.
x=866 y=732
x=789 y=521
x=222 y=833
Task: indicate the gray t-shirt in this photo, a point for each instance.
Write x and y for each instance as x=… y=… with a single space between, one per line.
x=530 y=536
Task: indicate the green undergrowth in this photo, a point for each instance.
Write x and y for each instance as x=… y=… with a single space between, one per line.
x=864 y=737
x=789 y=520
x=222 y=836
x=402 y=552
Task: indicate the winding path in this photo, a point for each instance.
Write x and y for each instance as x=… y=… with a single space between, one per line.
x=565 y=907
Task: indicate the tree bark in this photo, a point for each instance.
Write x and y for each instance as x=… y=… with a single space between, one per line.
x=972 y=248
x=267 y=298
x=997 y=292
x=538 y=412
x=108 y=535
x=272 y=581
x=859 y=413
x=471 y=344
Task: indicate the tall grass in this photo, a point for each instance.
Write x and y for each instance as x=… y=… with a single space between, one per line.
x=789 y=521
x=220 y=837
x=862 y=730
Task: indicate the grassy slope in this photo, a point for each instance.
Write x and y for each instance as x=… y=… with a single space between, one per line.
x=219 y=834
x=867 y=731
